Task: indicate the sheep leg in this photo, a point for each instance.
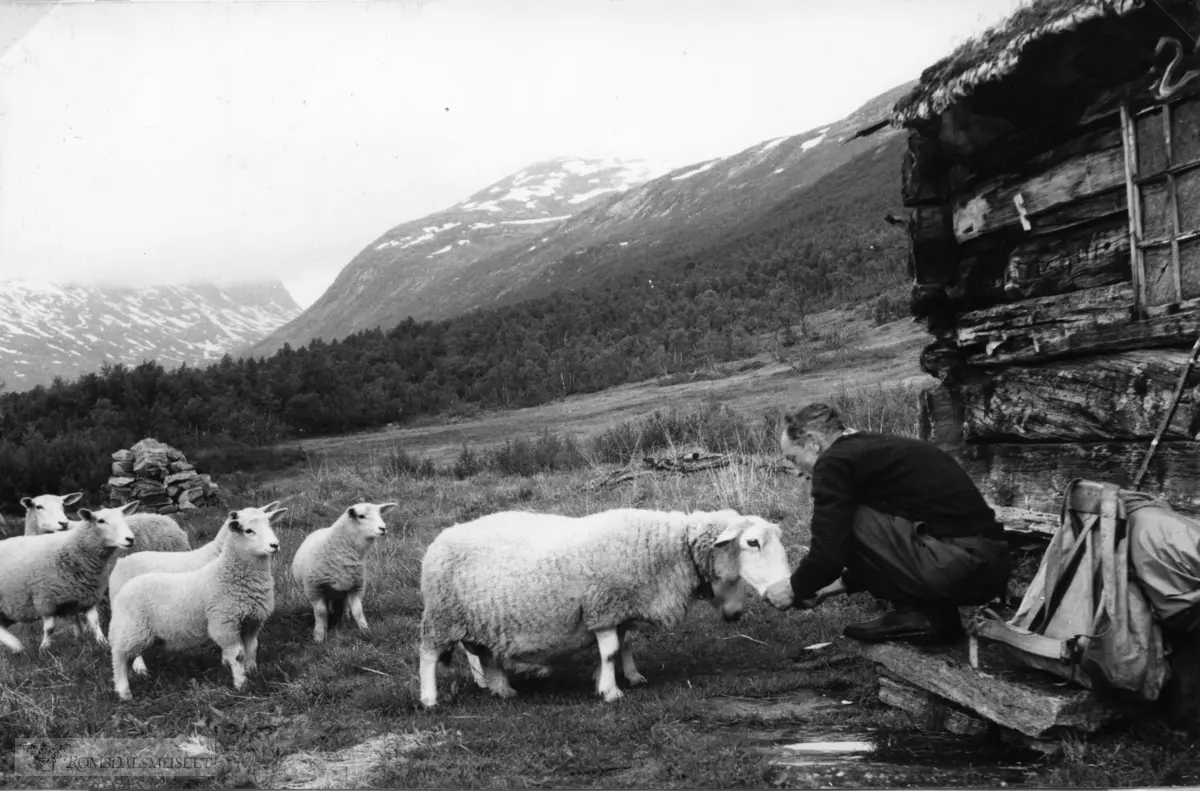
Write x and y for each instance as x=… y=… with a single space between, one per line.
x=609 y=643
x=497 y=680
x=628 y=668
x=120 y=662
x=93 y=622
x=233 y=653
x=250 y=644
x=356 y=609
x=10 y=641
x=48 y=625
x=320 y=618
x=428 y=672
x=476 y=668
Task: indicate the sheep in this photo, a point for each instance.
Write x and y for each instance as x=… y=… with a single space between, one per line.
x=46 y=513
x=328 y=565
x=518 y=590
x=226 y=601
x=172 y=562
x=58 y=574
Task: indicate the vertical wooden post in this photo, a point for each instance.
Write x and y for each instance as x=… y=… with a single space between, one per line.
x=1134 y=202
x=1172 y=204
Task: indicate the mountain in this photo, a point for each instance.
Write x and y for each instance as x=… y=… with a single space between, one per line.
x=405 y=271
x=494 y=249
x=67 y=330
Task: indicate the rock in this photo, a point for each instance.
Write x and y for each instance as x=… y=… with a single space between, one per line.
x=177 y=477
x=123 y=456
x=180 y=466
x=160 y=478
x=123 y=468
x=120 y=482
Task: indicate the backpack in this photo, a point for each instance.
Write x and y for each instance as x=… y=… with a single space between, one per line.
x=1085 y=618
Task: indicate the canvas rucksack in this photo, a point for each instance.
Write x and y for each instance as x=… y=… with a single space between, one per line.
x=1084 y=617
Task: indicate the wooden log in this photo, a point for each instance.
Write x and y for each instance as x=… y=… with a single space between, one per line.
x=940 y=419
x=1038 y=710
x=1038 y=473
x=1122 y=396
x=993 y=206
x=1052 y=341
x=1094 y=255
x=1010 y=327
x=941 y=360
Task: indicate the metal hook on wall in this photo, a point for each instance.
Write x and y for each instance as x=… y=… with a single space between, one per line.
x=1167 y=85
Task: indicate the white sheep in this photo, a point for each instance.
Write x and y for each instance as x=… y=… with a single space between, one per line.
x=47 y=513
x=519 y=590
x=226 y=601
x=58 y=574
x=329 y=565
x=140 y=563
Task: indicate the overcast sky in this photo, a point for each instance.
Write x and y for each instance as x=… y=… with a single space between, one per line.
x=170 y=141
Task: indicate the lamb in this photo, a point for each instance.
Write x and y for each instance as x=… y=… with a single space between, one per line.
x=47 y=513
x=226 y=601
x=518 y=590
x=58 y=574
x=328 y=566
x=140 y=563
x=157 y=533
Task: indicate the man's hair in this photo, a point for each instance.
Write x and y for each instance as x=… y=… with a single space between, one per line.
x=818 y=418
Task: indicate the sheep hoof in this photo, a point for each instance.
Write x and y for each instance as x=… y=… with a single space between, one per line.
x=429 y=703
x=635 y=679
x=123 y=694
x=613 y=695
x=504 y=692
x=139 y=666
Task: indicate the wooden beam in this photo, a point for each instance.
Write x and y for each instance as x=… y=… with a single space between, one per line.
x=1096 y=254
x=1037 y=474
x=941 y=419
x=993 y=327
x=923 y=172
x=994 y=205
x=1050 y=342
x=1110 y=397
x=934 y=249
x=1031 y=707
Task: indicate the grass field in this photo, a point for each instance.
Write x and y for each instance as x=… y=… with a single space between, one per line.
x=347 y=714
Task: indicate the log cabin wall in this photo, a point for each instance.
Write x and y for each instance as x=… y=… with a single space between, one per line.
x=1055 y=255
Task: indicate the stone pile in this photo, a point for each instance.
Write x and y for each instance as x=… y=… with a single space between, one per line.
x=160 y=478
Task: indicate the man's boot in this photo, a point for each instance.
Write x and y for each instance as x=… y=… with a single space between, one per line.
x=919 y=625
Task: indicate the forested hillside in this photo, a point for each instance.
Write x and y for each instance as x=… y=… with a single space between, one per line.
x=827 y=246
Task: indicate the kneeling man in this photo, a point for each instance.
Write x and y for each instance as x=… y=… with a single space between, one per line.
x=896 y=517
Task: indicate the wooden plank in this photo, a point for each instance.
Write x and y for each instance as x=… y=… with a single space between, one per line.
x=1038 y=710
x=991 y=206
x=992 y=328
x=1083 y=257
x=1134 y=204
x=1038 y=473
x=1050 y=341
x=1122 y=396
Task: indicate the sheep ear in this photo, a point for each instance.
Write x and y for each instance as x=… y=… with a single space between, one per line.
x=130 y=507
x=729 y=534
x=352 y=512
x=789 y=420
x=235 y=525
x=71 y=498
x=27 y=502
x=386 y=506
x=271 y=505
x=86 y=515
x=276 y=512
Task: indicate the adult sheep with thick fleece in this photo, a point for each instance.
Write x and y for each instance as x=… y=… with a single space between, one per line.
x=329 y=565
x=58 y=574
x=226 y=602
x=47 y=513
x=519 y=590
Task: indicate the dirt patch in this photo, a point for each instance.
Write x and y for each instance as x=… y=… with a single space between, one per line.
x=353 y=767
